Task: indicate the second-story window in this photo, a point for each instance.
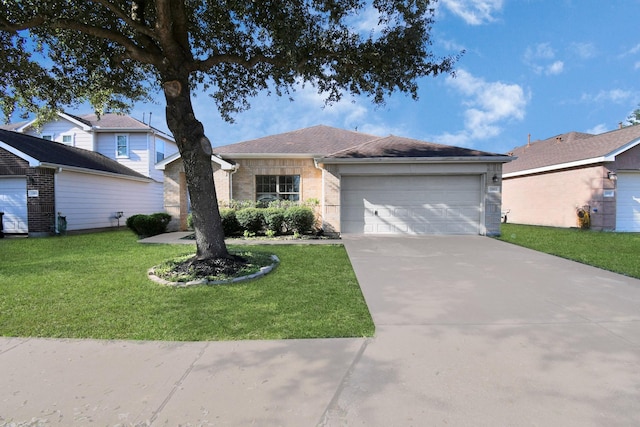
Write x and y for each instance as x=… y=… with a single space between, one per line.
x=159 y=150
x=122 y=145
x=67 y=139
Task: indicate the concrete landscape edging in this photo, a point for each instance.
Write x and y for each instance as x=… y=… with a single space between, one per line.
x=263 y=271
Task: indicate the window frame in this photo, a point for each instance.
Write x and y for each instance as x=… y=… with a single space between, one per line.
x=126 y=136
x=281 y=184
x=70 y=136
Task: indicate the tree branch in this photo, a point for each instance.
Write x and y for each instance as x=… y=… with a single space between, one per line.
x=126 y=17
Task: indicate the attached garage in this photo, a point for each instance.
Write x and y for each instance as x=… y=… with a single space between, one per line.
x=418 y=204
x=628 y=201
x=397 y=185
x=13 y=202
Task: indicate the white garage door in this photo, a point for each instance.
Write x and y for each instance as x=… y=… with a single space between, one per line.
x=628 y=202
x=13 y=202
x=442 y=204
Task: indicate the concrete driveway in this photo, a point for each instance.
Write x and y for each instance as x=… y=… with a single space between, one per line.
x=469 y=332
x=475 y=332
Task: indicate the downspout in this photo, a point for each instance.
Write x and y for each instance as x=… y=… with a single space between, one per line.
x=322 y=200
x=235 y=169
x=56 y=209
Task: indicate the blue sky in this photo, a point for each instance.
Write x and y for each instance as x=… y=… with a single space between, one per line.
x=539 y=67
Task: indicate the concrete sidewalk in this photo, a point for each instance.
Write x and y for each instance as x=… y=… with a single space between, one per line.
x=470 y=331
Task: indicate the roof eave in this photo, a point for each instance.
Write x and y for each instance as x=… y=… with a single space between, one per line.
x=270 y=155
x=33 y=162
x=568 y=165
x=61 y=167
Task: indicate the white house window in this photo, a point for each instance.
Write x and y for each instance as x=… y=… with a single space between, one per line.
x=67 y=139
x=47 y=136
x=122 y=145
x=159 y=150
x=277 y=187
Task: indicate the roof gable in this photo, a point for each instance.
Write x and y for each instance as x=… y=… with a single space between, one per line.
x=316 y=140
x=572 y=148
x=39 y=151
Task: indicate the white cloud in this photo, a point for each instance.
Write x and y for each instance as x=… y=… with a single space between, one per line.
x=474 y=12
x=598 y=129
x=539 y=58
x=539 y=51
x=489 y=105
x=613 y=95
x=583 y=50
x=555 y=68
x=636 y=66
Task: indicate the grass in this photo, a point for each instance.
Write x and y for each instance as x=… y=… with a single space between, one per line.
x=96 y=286
x=617 y=252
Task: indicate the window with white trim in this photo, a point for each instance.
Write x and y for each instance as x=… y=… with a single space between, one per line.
x=47 y=136
x=277 y=187
x=122 y=145
x=67 y=139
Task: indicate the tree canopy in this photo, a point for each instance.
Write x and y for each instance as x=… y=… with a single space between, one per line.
x=112 y=53
x=634 y=117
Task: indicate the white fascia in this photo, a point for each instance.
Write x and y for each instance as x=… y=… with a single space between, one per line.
x=610 y=157
x=32 y=161
x=224 y=165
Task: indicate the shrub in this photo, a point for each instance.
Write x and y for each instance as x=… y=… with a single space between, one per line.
x=230 y=224
x=148 y=225
x=274 y=219
x=250 y=219
x=299 y=219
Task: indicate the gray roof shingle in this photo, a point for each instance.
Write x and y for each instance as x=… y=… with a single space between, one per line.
x=55 y=153
x=570 y=147
x=397 y=147
x=315 y=140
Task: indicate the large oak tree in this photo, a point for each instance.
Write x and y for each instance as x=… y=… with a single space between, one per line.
x=113 y=53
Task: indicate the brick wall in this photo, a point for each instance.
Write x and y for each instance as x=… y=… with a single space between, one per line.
x=41 y=209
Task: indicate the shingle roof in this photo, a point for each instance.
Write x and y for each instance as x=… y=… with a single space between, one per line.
x=570 y=147
x=55 y=153
x=106 y=122
x=398 y=147
x=316 y=140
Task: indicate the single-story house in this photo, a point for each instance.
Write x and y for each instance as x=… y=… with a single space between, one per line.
x=363 y=183
x=554 y=180
x=42 y=180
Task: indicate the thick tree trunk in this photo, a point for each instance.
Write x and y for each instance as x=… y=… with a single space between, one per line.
x=195 y=150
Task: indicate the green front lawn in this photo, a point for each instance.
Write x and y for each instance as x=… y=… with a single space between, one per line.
x=618 y=252
x=96 y=286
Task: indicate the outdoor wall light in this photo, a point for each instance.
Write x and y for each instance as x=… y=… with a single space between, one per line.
x=612 y=176
x=495 y=179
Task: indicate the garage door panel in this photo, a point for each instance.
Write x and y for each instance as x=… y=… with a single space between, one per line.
x=628 y=202
x=411 y=204
x=13 y=202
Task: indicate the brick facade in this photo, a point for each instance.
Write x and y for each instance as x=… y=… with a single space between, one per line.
x=41 y=207
x=551 y=199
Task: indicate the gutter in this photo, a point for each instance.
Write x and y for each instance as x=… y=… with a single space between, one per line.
x=60 y=168
x=569 y=165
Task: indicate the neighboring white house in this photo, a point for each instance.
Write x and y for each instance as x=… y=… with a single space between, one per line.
x=108 y=168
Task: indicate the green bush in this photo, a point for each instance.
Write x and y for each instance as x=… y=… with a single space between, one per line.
x=299 y=219
x=148 y=225
x=274 y=219
x=250 y=219
x=230 y=224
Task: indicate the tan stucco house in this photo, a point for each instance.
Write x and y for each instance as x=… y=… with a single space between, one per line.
x=364 y=184
x=552 y=180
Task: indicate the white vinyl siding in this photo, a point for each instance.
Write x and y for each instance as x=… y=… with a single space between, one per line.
x=58 y=129
x=413 y=204
x=91 y=201
x=13 y=202
x=628 y=202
